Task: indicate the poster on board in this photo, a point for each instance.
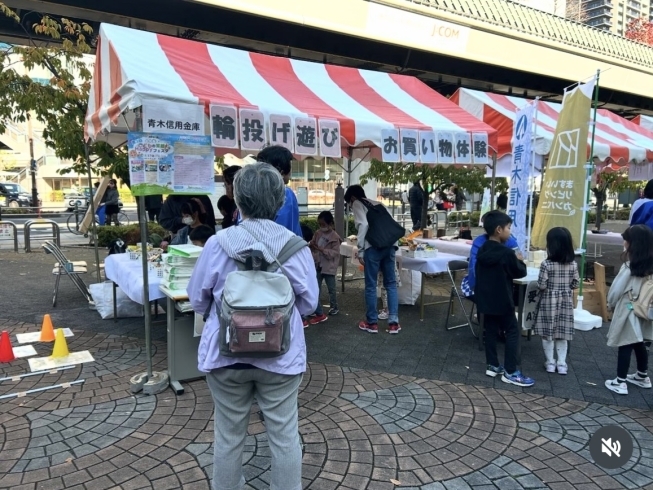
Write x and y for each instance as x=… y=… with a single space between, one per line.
x=170 y=163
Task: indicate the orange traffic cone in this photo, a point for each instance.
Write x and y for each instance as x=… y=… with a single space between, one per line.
x=60 y=345
x=47 y=330
x=6 y=350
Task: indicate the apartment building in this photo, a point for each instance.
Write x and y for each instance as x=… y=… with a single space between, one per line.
x=613 y=15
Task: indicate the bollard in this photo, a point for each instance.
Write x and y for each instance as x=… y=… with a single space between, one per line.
x=15 y=232
x=56 y=235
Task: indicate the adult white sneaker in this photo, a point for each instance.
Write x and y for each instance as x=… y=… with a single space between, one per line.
x=617 y=386
x=641 y=382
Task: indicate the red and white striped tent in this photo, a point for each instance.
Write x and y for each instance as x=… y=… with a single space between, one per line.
x=133 y=66
x=617 y=140
x=644 y=121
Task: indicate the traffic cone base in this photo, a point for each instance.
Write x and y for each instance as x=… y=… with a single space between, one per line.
x=6 y=350
x=47 y=330
x=60 y=345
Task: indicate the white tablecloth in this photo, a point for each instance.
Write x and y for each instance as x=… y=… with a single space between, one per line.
x=609 y=238
x=128 y=275
x=532 y=275
x=430 y=265
x=457 y=247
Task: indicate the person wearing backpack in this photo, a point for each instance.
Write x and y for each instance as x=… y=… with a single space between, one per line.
x=631 y=322
x=255 y=281
x=378 y=233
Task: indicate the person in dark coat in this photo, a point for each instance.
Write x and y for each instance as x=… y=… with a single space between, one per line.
x=112 y=202
x=226 y=203
x=416 y=200
x=496 y=268
x=459 y=198
x=153 y=206
x=502 y=202
x=170 y=216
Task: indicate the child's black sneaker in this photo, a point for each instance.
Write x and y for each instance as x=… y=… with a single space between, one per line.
x=333 y=311
x=493 y=371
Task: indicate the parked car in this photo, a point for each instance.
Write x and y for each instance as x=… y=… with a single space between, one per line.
x=318 y=196
x=81 y=199
x=14 y=196
x=390 y=194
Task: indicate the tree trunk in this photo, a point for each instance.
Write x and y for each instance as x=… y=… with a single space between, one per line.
x=600 y=199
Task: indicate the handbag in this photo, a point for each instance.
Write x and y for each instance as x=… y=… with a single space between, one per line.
x=383 y=230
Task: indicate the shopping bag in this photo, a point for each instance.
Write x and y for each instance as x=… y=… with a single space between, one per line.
x=102 y=294
x=411 y=285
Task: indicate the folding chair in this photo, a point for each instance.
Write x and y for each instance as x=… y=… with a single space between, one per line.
x=453 y=267
x=63 y=266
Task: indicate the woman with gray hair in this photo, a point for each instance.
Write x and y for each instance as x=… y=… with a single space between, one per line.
x=234 y=382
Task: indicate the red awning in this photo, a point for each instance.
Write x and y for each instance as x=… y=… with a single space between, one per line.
x=616 y=138
x=133 y=66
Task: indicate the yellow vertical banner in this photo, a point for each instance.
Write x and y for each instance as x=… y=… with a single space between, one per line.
x=564 y=194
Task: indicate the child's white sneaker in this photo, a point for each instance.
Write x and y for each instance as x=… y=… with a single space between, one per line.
x=383 y=314
x=619 y=387
x=636 y=379
x=562 y=368
x=550 y=367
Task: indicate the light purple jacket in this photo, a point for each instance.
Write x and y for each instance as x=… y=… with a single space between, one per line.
x=211 y=272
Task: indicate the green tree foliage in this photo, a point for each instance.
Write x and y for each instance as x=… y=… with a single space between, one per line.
x=60 y=104
x=437 y=178
x=610 y=182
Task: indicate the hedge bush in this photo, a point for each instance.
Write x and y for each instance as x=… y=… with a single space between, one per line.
x=130 y=234
x=5 y=210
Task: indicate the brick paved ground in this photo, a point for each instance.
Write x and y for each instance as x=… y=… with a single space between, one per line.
x=413 y=411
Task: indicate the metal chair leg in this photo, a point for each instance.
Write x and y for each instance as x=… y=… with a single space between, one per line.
x=449 y=310
x=56 y=288
x=454 y=293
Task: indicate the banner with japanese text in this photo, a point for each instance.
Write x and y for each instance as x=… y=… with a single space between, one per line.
x=563 y=196
x=163 y=116
x=170 y=163
x=520 y=171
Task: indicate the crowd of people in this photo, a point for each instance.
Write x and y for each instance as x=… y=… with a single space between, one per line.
x=442 y=200
x=261 y=222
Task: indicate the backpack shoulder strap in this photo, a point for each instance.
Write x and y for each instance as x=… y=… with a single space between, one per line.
x=294 y=245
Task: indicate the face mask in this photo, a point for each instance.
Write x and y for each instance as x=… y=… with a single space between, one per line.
x=187 y=221
x=325 y=229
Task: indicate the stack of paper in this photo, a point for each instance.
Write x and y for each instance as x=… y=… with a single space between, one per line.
x=192 y=251
x=177 y=271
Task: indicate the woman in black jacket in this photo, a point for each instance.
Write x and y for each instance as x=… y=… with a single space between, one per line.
x=112 y=203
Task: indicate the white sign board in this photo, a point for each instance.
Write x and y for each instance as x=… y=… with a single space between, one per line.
x=390 y=145
x=164 y=117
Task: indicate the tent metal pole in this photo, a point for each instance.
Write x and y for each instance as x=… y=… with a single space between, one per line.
x=590 y=170
x=532 y=178
x=146 y=288
x=494 y=180
x=87 y=151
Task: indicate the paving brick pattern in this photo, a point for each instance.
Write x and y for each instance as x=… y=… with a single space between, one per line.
x=362 y=429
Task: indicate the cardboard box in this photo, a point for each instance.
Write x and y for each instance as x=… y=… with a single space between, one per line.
x=428 y=233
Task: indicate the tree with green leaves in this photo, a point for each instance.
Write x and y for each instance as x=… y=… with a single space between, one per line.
x=433 y=177
x=610 y=182
x=61 y=47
